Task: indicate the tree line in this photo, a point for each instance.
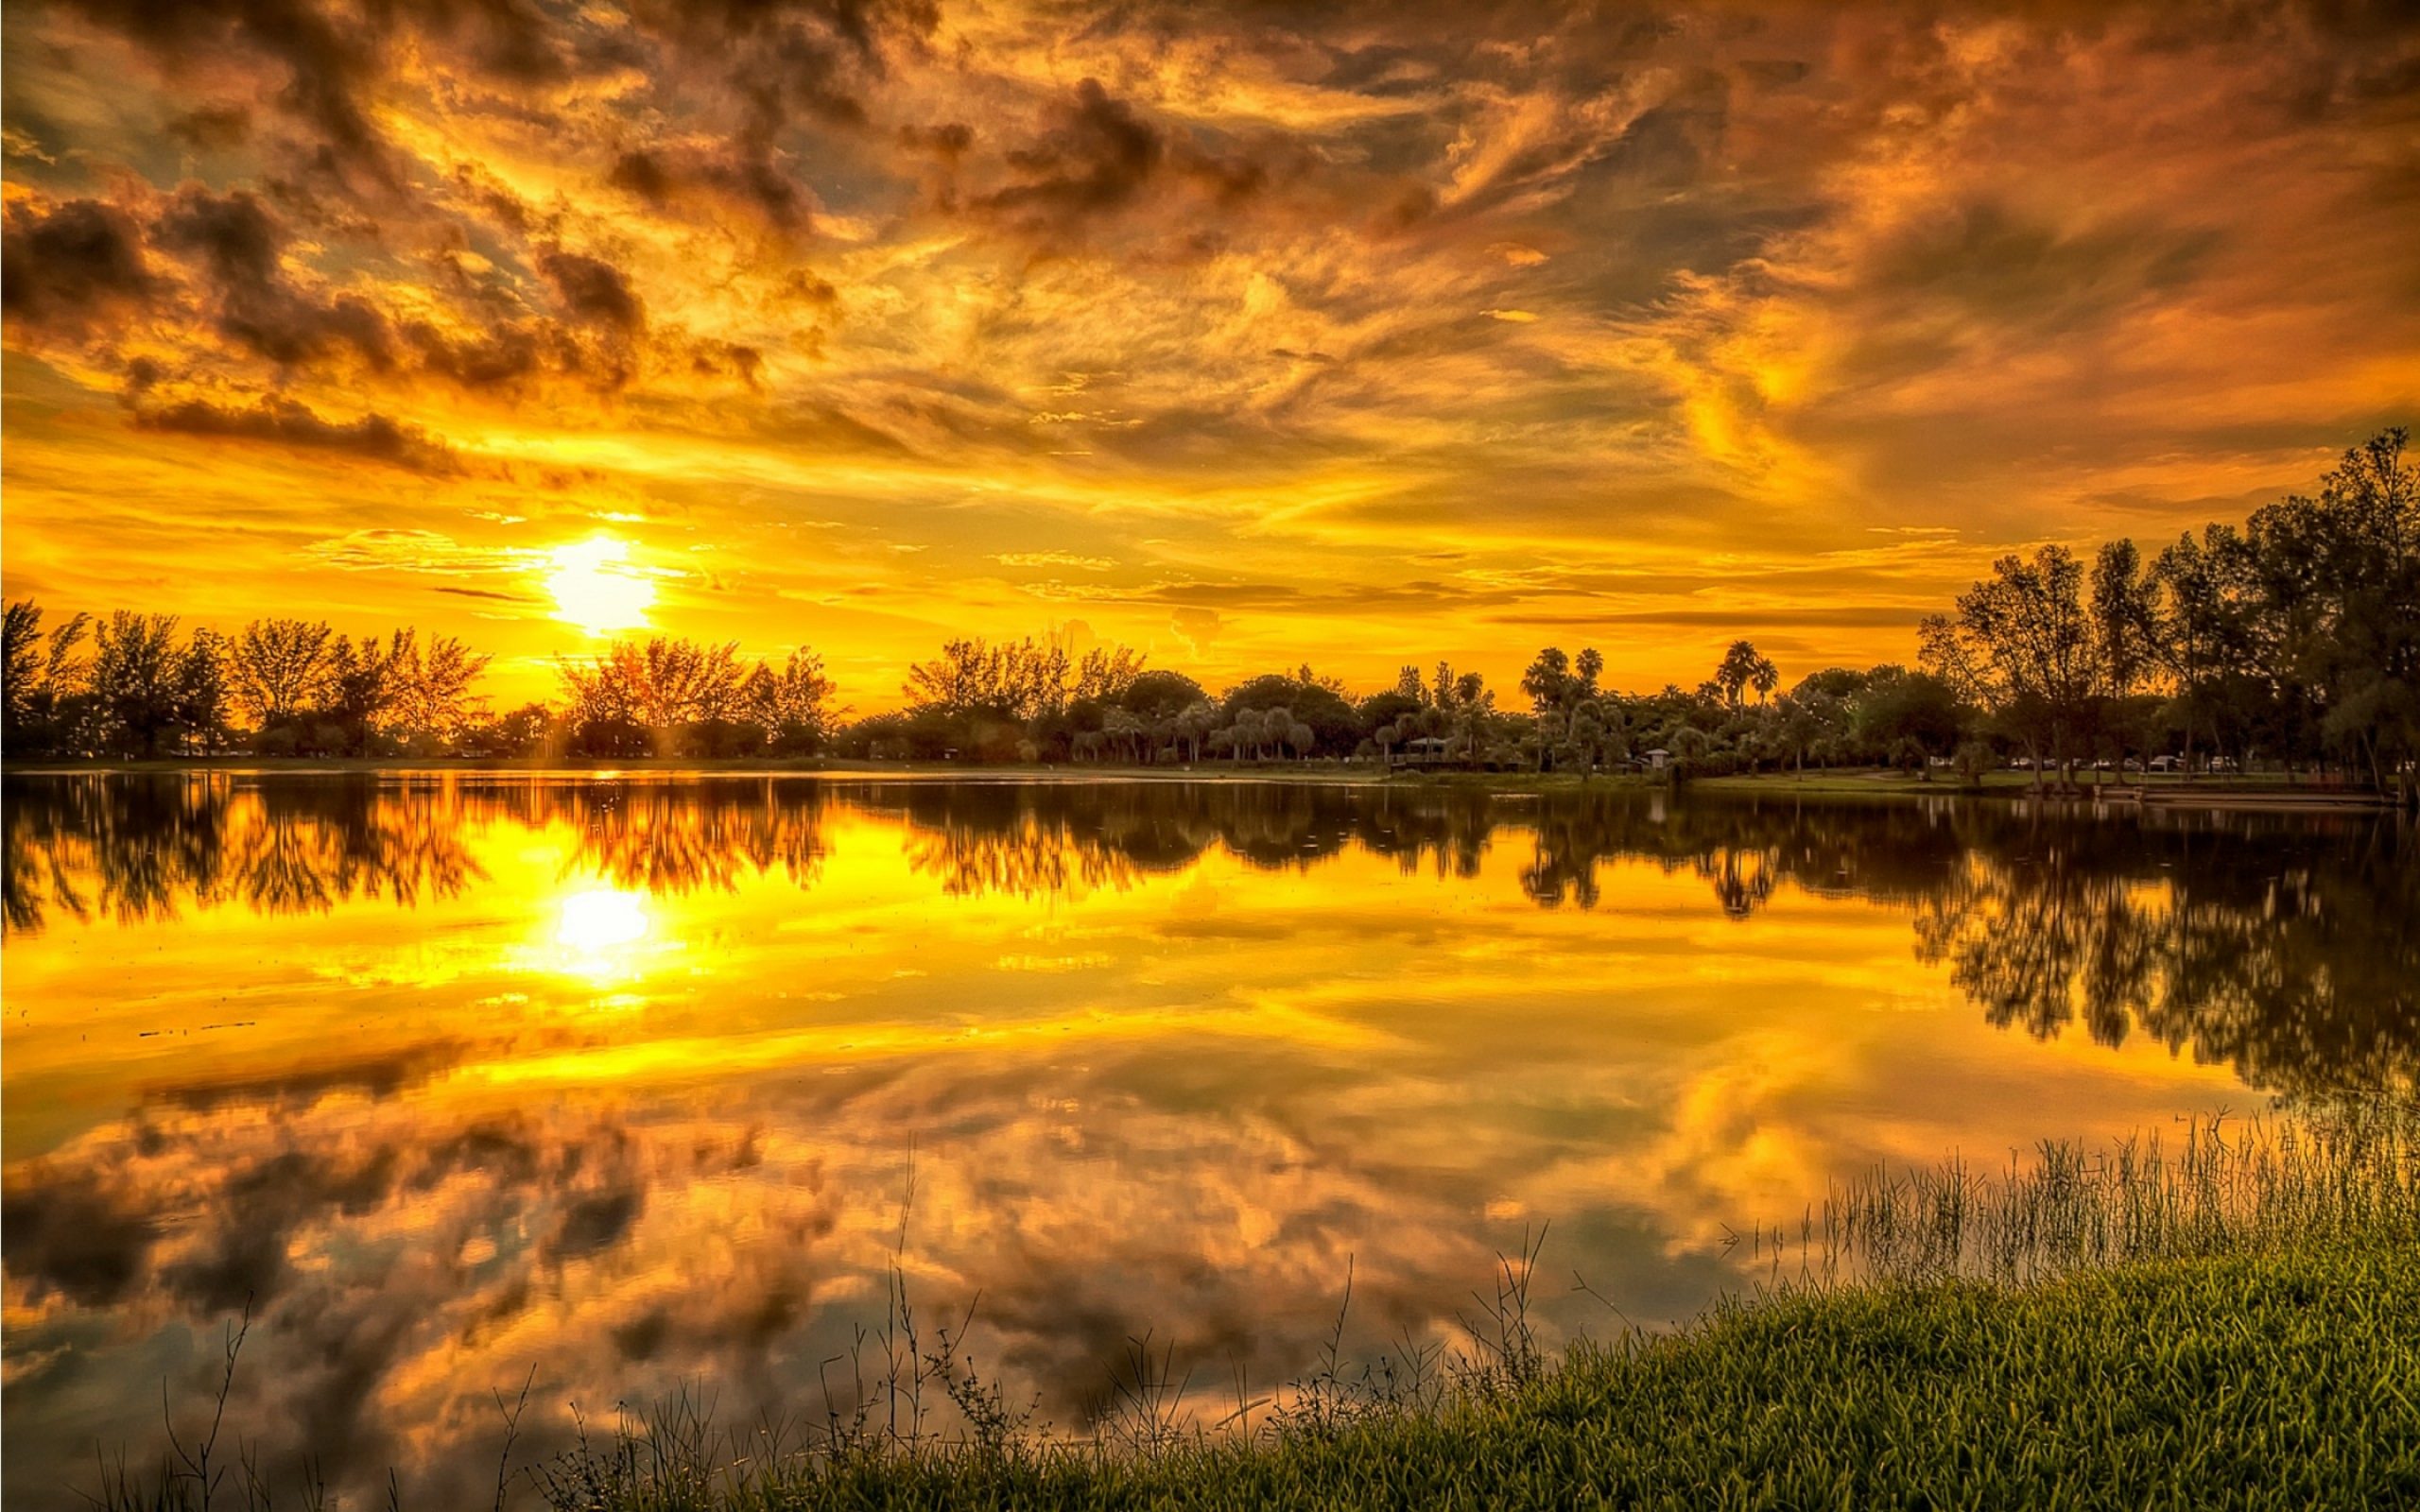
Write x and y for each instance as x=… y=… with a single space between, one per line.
x=2292 y=640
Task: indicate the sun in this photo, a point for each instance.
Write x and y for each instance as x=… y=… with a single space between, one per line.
x=595 y=588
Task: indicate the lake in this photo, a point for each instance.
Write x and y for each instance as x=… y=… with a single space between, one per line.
x=651 y=1082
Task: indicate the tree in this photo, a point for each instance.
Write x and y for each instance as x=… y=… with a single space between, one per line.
x=2021 y=648
x=433 y=702
x=137 y=679
x=1547 y=679
x=794 y=705
x=1742 y=668
x=2207 y=631
x=637 y=698
x=1160 y=695
x=1194 y=724
x=1313 y=699
x=362 y=689
x=278 y=667
x=519 y=732
x=1381 y=711
x=1564 y=696
x=2372 y=503
x=2125 y=628
x=48 y=681
x=1901 y=713
x=1586 y=668
x=1106 y=673
x=203 y=701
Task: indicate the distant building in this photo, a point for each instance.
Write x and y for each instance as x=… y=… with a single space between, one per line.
x=1658 y=759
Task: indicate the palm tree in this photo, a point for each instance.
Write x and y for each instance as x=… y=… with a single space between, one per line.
x=1742 y=668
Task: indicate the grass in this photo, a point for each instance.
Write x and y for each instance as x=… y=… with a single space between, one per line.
x=2276 y=1380
x=2230 y=1318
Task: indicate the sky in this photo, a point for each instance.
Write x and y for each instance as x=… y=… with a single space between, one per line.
x=1242 y=334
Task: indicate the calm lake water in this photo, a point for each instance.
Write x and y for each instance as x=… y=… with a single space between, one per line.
x=646 y=1082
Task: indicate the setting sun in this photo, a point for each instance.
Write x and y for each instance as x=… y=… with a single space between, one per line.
x=596 y=589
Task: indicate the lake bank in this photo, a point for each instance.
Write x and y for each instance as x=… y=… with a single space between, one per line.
x=2271 y=1381
x=2220 y=792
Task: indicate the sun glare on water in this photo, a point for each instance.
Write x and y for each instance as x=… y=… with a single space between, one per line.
x=596 y=589
x=599 y=931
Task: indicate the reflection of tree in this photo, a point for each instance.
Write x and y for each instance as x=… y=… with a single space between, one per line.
x=2287 y=948
x=1038 y=840
x=141 y=847
x=1042 y=838
x=668 y=837
x=2289 y=952
x=1744 y=850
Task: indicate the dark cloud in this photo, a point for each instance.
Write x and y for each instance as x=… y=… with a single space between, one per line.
x=744 y=175
x=327 y=63
x=777 y=69
x=67 y=265
x=239 y=242
x=375 y=438
x=513 y=41
x=2002 y=267
x=375 y=1076
x=594 y=292
x=1096 y=155
x=595 y=1221
x=67 y=1237
x=211 y=127
x=947 y=141
x=499 y=357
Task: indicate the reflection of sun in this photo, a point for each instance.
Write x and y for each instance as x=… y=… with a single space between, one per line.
x=597 y=926
x=594 y=587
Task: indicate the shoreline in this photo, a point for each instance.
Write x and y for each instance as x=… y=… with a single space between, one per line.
x=2235 y=794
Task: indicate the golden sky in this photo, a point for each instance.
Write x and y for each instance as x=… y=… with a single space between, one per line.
x=1237 y=333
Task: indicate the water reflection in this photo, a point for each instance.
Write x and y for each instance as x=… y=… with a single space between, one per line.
x=145 y=847
x=2284 y=946
x=625 y=1087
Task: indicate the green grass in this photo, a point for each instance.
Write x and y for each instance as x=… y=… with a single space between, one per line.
x=2285 y=1380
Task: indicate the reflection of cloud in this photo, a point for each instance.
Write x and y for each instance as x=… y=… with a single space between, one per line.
x=1395 y=1028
